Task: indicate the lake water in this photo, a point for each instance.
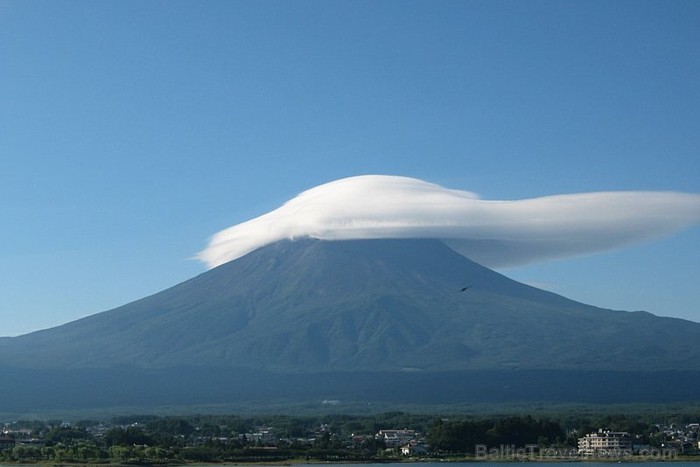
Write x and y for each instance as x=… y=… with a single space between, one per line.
x=511 y=464
x=496 y=464
x=472 y=464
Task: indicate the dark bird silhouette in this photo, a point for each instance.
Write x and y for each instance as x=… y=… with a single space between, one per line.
x=464 y=289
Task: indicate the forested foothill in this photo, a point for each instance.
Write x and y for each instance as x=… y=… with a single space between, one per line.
x=150 y=439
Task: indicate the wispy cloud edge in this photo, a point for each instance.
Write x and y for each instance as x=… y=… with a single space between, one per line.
x=494 y=233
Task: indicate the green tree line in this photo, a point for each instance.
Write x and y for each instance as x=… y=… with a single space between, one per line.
x=222 y=438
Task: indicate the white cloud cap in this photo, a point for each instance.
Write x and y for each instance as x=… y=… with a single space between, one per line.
x=493 y=233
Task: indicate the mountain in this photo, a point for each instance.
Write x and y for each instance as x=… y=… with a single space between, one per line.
x=389 y=313
x=311 y=305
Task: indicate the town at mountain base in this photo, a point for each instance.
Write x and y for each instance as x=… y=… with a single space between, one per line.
x=365 y=320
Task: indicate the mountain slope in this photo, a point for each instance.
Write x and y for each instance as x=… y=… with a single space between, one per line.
x=363 y=305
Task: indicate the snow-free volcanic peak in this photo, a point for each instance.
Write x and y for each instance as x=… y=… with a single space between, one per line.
x=355 y=319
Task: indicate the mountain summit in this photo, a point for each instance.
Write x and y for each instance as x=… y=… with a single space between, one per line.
x=359 y=305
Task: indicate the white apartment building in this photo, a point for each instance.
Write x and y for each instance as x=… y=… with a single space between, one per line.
x=605 y=443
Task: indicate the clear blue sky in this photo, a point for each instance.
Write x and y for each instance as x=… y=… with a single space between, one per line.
x=131 y=131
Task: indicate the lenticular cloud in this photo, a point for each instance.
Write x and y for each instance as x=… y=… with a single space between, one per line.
x=493 y=233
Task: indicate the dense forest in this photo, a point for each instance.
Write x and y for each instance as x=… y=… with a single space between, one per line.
x=221 y=438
